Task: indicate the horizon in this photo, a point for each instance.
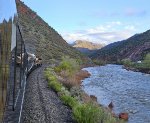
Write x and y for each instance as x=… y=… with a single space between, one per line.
x=95 y=21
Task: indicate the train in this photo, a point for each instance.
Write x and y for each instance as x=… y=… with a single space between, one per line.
x=16 y=62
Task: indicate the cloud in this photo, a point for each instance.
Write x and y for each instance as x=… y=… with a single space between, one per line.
x=106 y=33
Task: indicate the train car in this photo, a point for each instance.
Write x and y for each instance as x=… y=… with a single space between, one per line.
x=15 y=62
x=12 y=77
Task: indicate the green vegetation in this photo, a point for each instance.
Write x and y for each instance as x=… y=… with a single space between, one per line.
x=99 y=62
x=67 y=69
x=147 y=60
x=88 y=113
x=68 y=65
x=83 y=112
x=123 y=49
x=127 y=62
x=145 y=64
x=52 y=81
x=69 y=100
x=42 y=39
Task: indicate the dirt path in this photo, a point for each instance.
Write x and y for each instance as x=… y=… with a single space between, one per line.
x=41 y=104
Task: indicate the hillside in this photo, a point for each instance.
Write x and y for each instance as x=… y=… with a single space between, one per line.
x=135 y=48
x=87 y=44
x=87 y=47
x=42 y=39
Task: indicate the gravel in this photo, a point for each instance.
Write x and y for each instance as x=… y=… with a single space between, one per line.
x=41 y=104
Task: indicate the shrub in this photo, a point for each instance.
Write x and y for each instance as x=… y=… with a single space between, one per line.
x=109 y=119
x=88 y=113
x=147 y=60
x=99 y=62
x=69 y=65
x=127 y=62
x=55 y=85
x=70 y=82
x=52 y=80
x=68 y=100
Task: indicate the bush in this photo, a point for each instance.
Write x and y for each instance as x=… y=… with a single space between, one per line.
x=88 y=113
x=147 y=60
x=52 y=80
x=68 y=100
x=109 y=119
x=69 y=65
x=99 y=62
x=55 y=85
x=126 y=62
x=145 y=63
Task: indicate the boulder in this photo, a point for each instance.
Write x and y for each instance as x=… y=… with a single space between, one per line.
x=111 y=105
x=123 y=116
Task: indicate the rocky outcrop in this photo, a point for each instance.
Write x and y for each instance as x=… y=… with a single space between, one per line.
x=86 y=47
x=87 y=44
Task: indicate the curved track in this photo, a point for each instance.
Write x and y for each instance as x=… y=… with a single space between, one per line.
x=41 y=104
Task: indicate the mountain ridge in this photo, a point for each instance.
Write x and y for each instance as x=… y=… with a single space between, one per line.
x=134 y=48
x=87 y=44
x=40 y=38
x=86 y=47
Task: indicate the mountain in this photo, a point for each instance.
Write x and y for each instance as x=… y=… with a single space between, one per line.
x=134 y=48
x=86 y=47
x=41 y=39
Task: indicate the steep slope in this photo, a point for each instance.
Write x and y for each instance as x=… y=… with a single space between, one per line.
x=134 y=48
x=86 y=47
x=42 y=39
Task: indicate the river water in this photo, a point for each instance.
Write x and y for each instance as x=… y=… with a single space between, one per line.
x=129 y=91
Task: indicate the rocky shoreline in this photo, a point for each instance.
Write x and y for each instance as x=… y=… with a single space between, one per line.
x=43 y=104
x=142 y=70
x=93 y=98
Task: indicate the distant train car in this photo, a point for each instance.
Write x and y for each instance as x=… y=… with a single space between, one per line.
x=38 y=62
x=31 y=59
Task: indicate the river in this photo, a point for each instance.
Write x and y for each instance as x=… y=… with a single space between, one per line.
x=129 y=91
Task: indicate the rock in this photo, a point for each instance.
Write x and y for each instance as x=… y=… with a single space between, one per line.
x=94 y=98
x=111 y=105
x=123 y=116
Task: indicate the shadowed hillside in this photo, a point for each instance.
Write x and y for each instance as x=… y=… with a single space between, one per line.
x=135 y=48
x=42 y=39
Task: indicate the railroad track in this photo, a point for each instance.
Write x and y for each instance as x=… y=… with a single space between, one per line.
x=41 y=104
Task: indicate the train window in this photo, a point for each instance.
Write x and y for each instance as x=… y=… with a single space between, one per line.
x=7 y=44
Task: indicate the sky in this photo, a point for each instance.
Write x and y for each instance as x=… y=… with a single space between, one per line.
x=99 y=21
x=7 y=9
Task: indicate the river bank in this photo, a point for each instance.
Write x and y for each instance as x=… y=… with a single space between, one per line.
x=74 y=96
x=142 y=70
x=128 y=90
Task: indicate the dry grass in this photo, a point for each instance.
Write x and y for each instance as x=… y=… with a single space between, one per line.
x=74 y=80
x=82 y=74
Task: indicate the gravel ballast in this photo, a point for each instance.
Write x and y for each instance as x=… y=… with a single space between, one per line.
x=41 y=104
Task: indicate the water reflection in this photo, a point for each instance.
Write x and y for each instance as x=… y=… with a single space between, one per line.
x=7 y=19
